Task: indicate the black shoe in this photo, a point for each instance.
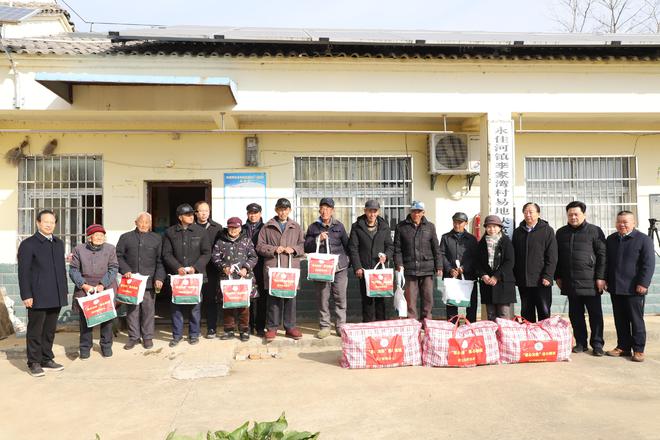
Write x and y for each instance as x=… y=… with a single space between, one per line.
x=598 y=352
x=130 y=344
x=35 y=370
x=579 y=348
x=148 y=343
x=210 y=334
x=245 y=336
x=175 y=342
x=51 y=365
x=261 y=333
x=227 y=335
x=84 y=355
x=194 y=340
x=106 y=353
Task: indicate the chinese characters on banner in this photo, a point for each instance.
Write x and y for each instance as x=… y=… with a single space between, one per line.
x=501 y=154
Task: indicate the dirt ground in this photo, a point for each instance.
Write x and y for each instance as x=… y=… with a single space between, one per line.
x=134 y=396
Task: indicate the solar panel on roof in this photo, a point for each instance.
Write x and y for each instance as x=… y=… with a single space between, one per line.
x=10 y=14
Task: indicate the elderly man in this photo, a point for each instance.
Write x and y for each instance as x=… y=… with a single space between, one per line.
x=211 y=286
x=631 y=263
x=258 y=307
x=370 y=242
x=42 y=284
x=186 y=250
x=459 y=245
x=417 y=252
x=330 y=232
x=139 y=251
x=580 y=275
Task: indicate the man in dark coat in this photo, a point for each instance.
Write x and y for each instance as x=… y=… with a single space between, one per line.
x=370 y=243
x=140 y=251
x=459 y=244
x=631 y=263
x=417 y=251
x=330 y=232
x=186 y=250
x=580 y=275
x=536 y=260
x=258 y=308
x=211 y=286
x=43 y=288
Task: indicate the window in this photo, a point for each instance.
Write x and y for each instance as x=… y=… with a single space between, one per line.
x=351 y=181
x=70 y=185
x=606 y=184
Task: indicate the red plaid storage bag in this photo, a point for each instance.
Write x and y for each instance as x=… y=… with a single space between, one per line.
x=549 y=340
x=381 y=344
x=448 y=344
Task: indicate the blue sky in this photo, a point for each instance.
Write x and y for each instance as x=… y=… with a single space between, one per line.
x=471 y=15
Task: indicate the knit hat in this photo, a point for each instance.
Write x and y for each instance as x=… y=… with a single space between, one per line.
x=91 y=229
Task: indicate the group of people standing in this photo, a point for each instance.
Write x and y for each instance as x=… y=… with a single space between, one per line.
x=576 y=257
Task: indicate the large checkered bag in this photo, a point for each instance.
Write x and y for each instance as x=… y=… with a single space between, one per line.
x=549 y=340
x=448 y=344
x=381 y=344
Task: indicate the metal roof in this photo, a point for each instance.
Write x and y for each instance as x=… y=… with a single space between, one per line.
x=10 y=14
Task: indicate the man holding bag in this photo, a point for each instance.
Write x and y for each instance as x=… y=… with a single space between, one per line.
x=370 y=243
x=328 y=231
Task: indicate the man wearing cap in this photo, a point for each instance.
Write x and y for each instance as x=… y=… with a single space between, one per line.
x=330 y=232
x=93 y=268
x=251 y=228
x=281 y=236
x=210 y=287
x=459 y=256
x=42 y=284
x=370 y=243
x=417 y=252
x=186 y=250
x=140 y=251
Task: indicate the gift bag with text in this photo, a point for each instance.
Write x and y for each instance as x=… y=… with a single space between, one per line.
x=379 y=282
x=236 y=292
x=98 y=307
x=131 y=290
x=187 y=289
x=282 y=281
x=321 y=267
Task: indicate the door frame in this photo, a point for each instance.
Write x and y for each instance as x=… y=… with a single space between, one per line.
x=153 y=184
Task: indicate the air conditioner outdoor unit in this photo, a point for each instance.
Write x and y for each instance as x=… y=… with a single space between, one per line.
x=455 y=153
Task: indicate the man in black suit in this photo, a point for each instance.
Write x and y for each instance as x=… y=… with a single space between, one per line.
x=43 y=287
x=630 y=267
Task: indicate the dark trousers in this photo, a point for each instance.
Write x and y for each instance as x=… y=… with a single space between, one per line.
x=535 y=300
x=373 y=309
x=629 y=321
x=417 y=287
x=140 y=317
x=229 y=319
x=87 y=334
x=41 y=334
x=194 y=319
x=210 y=305
x=259 y=310
x=471 y=311
x=576 y=306
x=281 y=309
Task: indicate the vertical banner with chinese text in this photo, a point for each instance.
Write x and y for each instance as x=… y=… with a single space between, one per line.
x=501 y=155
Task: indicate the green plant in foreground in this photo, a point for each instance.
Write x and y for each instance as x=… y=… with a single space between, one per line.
x=275 y=430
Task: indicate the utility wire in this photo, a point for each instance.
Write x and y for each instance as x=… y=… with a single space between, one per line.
x=92 y=23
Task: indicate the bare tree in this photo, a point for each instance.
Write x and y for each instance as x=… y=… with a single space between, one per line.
x=574 y=14
x=608 y=16
x=620 y=16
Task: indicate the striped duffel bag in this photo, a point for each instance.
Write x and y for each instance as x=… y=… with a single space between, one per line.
x=549 y=340
x=452 y=345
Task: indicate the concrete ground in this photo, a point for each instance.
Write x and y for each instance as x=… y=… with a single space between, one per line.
x=136 y=394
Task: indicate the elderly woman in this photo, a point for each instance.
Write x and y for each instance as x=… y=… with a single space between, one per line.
x=93 y=268
x=495 y=268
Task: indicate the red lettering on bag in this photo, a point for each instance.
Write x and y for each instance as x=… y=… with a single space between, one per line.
x=319 y=266
x=185 y=287
x=98 y=306
x=235 y=293
x=538 y=351
x=283 y=281
x=466 y=352
x=129 y=287
x=381 y=283
x=385 y=350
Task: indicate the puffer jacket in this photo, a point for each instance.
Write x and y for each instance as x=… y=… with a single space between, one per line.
x=581 y=259
x=416 y=248
x=536 y=254
x=227 y=252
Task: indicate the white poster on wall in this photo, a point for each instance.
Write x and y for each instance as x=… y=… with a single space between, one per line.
x=241 y=189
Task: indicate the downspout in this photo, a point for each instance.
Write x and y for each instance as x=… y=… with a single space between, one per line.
x=14 y=72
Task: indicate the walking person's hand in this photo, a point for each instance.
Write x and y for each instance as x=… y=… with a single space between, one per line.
x=28 y=302
x=641 y=290
x=359 y=273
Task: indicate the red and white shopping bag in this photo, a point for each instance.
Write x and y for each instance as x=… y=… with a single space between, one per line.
x=236 y=292
x=321 y=267
x=187 y=289
x=379 y=282
x=282 y=281
x=131 y=290
x=523 y=341
x=98 y=307
x=381 y=344
x=448 y=344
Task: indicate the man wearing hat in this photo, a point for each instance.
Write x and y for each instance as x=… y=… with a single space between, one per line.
x=93 y=268
x=281 y=237
x=210 y=287
x=458 y=245
x=330 y=232
x=370 y=243
x=251 y=228
x=186 y=250
x=417 y=252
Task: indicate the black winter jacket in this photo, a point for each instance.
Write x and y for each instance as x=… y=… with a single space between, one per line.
x=252 y=231
x=186 y=247
x=363 y=249
x=581 y=259
x=536 y=254
x=337 y=237
x=504 y=292
x=141 y=253
x=213 y=231
x=416 y=248
x=630 y=262
x=41 y=272
x=462 y=248
x=227 y=252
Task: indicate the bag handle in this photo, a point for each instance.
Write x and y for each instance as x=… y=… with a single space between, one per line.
x=278 y=260
x=380 y=263
x=520 y=320
x=458 y=318
x=458 y=266
x=401 y=280
x=236 y=269
x=318 y=245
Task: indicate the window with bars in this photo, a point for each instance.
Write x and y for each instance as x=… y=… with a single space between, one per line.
x=605 y=184
x=351 y=181
x=70 y=185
